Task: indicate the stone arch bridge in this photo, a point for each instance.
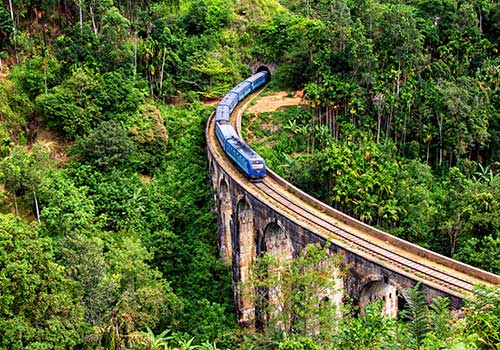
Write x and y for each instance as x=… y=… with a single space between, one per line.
x=275 y=217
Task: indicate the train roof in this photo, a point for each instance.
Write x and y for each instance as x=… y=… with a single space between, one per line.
x=221 y=106
x=222 y=112
x=240 y=87
x=227 y=130
x=244 y=149
x=257 y=76
x=227 y=97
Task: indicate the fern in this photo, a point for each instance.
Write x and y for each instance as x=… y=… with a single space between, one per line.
x=416 y=314
x=440 y=317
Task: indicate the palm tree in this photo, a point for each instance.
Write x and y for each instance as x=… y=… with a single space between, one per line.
x=485 y=174
x=155 y=342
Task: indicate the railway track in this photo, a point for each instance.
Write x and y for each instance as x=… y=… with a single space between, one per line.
x=380 y=252
x=429 y=268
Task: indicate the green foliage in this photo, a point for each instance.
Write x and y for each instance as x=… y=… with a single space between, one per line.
x=416 y=191
x=76 y=47
x=297 y=296
x=22 y=172
x=37 y=74
x=38 y=303
x=417 y=315
x=88 y=98
x=299 y=343
x=117 y=195
x=113 y=51
x=60 y=111
x=14 y=108
x=483 y=316
x=371 y=331
x=106 y=147
x=151 y=138
x=183 y=239
x=144 y=298
x=119 y=98
x=6 y=27
x=295 y=43
x=195 y=20
x=87 y=266
x=66 y=208
x=206 y=16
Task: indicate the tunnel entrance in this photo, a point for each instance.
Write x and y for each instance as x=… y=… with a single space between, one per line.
x=264 y=69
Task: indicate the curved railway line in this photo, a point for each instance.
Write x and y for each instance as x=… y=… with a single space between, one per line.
x=380 y=252
x=419 y=264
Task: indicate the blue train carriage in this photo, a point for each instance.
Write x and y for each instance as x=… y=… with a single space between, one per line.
x=224 y=131
x=247 y=159
x=243 y=89
x=258 y=79
x=229 y=100
x=222 y=113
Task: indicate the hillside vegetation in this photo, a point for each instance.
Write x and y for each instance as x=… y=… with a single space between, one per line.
x=107 y=234
x=402 y=125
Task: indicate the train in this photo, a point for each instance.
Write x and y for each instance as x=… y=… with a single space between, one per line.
x=247 y=160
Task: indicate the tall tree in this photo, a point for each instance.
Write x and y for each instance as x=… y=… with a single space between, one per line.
x=38 y=303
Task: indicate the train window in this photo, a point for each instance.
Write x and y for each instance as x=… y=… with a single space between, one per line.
x=257 y=165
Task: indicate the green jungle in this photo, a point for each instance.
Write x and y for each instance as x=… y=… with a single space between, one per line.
x=108 y=234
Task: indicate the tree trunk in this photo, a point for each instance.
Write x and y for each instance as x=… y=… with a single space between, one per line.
x=404 y=125
x=453 y=232
x=37 y=211
x=440 y=124
x=15 y=201
x=162 y=69
x=151 y=87
x=428 y=147
x=480 y=20
x=135 y=53
x=399 y=76
x=379 y=121
x=334 y=122
x=81 y=14
x=11 y=8
x=388 y=126
x=93 y=19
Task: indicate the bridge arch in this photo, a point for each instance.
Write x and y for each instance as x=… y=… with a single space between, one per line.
x=277 y=242
x=379 y=288
x=225 y=213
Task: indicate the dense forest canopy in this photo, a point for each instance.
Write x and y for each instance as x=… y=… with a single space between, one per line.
x=402 y=125
x=107 y=237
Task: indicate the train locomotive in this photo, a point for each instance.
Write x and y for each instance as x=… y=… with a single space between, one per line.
x=245 y=158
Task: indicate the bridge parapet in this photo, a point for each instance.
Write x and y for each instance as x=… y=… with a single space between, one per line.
x=251 y=222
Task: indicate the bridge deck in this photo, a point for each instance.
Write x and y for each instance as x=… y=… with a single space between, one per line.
x=409 y=260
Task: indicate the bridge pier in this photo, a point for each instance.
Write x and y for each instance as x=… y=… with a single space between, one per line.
x=243 y=259
x=224 y=218
x=247 y=230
